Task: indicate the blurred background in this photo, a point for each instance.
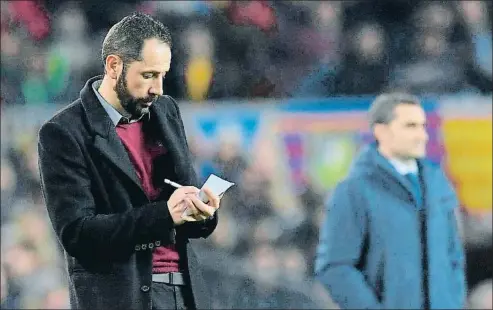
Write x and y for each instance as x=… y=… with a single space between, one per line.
x=273 y=96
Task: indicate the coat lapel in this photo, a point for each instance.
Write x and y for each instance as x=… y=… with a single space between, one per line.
x=106 y=140
x=112 y=148
x=169 y=128
x=427 y=179
x=389 y=172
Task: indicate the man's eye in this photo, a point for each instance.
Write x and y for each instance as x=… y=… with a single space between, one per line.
x=148 y=75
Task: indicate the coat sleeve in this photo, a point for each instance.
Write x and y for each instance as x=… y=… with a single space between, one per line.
x=340 y=248
x=199 y=229
x=66 y=186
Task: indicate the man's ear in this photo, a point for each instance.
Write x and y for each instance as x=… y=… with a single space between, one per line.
x=113 y=66
x=379 y=131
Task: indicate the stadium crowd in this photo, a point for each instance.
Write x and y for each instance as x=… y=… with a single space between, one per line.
x=226 y=49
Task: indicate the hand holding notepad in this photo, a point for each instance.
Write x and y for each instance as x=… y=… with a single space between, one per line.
x=214 y=183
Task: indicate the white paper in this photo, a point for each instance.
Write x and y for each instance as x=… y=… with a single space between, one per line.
x=217 y=185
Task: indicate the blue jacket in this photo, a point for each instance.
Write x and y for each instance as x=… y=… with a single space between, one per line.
x=372 y=239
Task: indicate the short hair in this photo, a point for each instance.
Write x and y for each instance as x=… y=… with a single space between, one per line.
x=126 y=38
x=383 y=107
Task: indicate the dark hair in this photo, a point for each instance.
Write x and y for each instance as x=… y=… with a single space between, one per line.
x=383 y=107
x=126 y=38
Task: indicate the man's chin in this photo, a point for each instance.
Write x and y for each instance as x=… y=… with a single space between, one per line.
x=419 y=154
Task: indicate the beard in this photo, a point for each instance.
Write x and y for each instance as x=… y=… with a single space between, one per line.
x=136 y=107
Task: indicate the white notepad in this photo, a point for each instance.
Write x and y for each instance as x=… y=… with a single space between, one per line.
x=217 y=185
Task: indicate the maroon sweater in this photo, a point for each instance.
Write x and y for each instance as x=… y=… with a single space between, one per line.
x=142 y=153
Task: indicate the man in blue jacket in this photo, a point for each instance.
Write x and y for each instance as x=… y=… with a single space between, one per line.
x=390 y=237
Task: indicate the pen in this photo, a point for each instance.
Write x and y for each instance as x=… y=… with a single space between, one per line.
x=174 y=184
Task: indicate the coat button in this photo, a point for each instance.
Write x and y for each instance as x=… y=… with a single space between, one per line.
x=137 y=247
x=157 y=243
x=144 y=288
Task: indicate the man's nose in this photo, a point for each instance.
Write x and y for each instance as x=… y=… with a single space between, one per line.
x=157 y=88
x=424 y=134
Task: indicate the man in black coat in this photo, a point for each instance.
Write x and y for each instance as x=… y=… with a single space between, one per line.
x=103 y=160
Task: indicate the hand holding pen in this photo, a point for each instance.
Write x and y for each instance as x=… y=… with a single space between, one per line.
x=191 y=207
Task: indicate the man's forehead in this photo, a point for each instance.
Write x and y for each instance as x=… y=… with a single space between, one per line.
x=406 y=108
x=156 y=56
x=153 y=67
x=154 y=46
x=409 y=113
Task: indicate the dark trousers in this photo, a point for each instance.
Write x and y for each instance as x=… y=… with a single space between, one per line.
x=166 y=296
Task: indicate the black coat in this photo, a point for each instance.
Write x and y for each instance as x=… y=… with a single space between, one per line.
x=99 y=211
